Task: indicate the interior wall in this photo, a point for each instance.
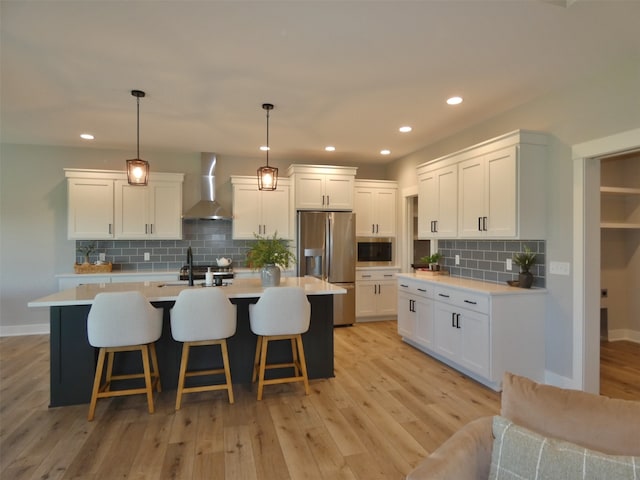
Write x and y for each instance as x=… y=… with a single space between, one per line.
x=595 y=107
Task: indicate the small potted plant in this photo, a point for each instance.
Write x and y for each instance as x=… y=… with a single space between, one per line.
x=86 y=250
x=432 y=261
x=269 y=254
x=525 y=260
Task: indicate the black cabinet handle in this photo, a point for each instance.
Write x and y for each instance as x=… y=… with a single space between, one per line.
x=443 y=295
x=388 y=274
x=404 y=286
x=484 y=224
x=453 y=320
x=457 y=320
x=435 y=226
x=366 y=276
x=471 y=302
x=479 y=224
x=422 y=290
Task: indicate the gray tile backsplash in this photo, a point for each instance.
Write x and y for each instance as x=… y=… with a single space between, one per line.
x=209 y=239
x=486 y=259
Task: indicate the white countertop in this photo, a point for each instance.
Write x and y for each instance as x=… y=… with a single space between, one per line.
x=469 y=284
x=168 y=291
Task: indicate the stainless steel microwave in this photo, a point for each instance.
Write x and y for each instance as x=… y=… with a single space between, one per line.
x=375 y=251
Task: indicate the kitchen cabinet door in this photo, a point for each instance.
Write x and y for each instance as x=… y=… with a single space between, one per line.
x=260 y=212
x=275 y=212
x=406 y=315
x=132 y=206
x=475 y=342
x=339 y=192
x=375 y=210
x=90 y=209
x=462 y=336
x=438 y=203
x=487 y=195
x=310 y=193
x=424 y=322
x=154 y=211
x=165 y=210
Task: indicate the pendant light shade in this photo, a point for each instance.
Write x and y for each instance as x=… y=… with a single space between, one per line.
x=267 y=176
x=138 y=169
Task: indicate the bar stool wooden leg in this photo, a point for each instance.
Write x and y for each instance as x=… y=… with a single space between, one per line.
x=263 y=365
x=96 y=384
x=227 y=370
x=144 y=349
x=183 y=372
x=303 y=364
x=256 y=359
x=155 y=374
x=110 y=356
x=294 y=353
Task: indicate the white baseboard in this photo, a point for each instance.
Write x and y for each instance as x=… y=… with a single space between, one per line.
x=552 y=378
x=624 y=334
x=16 y=330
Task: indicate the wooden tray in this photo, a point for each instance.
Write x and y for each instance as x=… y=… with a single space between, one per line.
x=91 y=268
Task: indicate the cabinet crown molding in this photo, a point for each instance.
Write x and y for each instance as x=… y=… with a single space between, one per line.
x=323 y=169
x=517 y=137
x=118 y=175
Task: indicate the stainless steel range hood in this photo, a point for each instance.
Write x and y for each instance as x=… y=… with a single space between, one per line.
x=207 y=208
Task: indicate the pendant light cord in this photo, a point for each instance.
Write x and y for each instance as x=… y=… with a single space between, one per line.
x=268 y=137
x=138 y=124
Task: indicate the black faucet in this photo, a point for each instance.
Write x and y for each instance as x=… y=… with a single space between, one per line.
x=190 y=264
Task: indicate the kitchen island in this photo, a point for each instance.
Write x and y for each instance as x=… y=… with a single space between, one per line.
x=73 y=360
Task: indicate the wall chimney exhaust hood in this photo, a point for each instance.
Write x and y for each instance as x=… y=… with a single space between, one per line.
x=207 y=208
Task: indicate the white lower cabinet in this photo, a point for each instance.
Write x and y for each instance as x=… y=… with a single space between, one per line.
x=462 y=336
x=480 y=329
x=415 y=312
x=376 y=294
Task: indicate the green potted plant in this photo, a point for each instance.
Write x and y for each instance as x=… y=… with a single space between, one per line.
x=86 y=250
x=269 y=254
x=525 y=260
x=432 y=261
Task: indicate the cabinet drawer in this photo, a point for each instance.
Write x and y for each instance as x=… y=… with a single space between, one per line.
x=463 y=299
x=420 y=289
x=377 y=275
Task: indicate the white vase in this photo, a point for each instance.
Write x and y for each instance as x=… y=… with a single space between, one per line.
x=270 y=275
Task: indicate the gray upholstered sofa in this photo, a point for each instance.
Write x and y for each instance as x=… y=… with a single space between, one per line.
x=602 y=425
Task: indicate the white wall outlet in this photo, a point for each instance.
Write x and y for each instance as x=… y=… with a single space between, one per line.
x=559 y=268
x=457 y=259
x=102 y=256
x=509 y=264
x=147 y=256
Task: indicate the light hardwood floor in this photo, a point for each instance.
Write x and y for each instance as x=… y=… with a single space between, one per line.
x=388 y=406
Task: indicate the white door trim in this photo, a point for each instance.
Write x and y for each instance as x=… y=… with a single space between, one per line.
x=586 y=252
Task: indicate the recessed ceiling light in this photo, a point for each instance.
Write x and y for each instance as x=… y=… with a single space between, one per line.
x=330 y=148
x=385 y=152
x=454 y=100
x=264 y=148
x=405 y=129
x=86 y=136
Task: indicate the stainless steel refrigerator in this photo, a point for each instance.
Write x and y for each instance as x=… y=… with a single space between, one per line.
x=327 y=250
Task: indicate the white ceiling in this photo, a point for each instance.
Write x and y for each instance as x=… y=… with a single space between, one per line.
x=345 y=73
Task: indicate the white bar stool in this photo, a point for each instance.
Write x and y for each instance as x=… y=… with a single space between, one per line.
x=281 y=313
x=203 y=317
x=121 y=322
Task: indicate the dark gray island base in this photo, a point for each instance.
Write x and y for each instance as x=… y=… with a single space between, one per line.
x=73 y=360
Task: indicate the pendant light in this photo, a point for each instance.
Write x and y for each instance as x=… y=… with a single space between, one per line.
x=267 y=176
x=138 y=169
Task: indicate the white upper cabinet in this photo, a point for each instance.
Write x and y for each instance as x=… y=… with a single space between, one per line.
x=103 y=206
x=90 y=208
x=151 y=212
x=500 y=190
x=375 y=204
x=322 y=187
x=437 y=201
x=488 y=195
x=260 y=212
